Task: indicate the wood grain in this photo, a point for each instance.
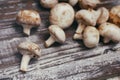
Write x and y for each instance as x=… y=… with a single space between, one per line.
x=69 y=61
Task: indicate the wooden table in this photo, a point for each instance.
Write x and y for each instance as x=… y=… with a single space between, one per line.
x=70 y=61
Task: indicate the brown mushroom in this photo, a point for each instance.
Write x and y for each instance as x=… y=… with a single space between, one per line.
x=28 y=19
x=115 y=15
x=28 y=50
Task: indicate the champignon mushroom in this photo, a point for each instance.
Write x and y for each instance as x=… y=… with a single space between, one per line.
x=109 y=32
x=28 y=19
x=91 y=36
x=73 y=2
x=104 y=15
x=85 y=18
x=115 y=14
x=88 y=17
x=62 y=15
x=57 y=35
x=48 y=3
x=28 y=50
x=88 y=3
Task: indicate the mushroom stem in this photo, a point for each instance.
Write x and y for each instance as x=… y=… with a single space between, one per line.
x=78 y=34
x=24 y=62
x=49 y=42
x=26 y=29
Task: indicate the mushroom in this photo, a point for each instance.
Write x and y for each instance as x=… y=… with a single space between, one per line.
x=57 y=35
x=104 y=15
x=85 y=18
x=28 y=19
x=28 y=50
x=71 y=2
x=109 y=32
x=115 y=14
x=48 y=3
x=62 y=15
x=88 y=3
x=90 y=18
x=90 y=36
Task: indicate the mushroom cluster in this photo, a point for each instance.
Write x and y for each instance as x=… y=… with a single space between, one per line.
x=110 y=31
x=93 y=23
x=87 y=18
x=61 y=17
x=28 y=19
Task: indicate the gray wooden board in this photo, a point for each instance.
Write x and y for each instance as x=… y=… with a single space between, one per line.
x=69 y=61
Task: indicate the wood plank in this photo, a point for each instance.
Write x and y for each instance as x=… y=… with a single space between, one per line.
x=84 y=68
x=70 y=61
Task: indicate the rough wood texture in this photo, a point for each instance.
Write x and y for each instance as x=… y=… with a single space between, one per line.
x=70 y=61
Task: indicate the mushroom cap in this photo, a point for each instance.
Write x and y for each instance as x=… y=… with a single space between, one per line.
x=73 y=2
x=62 y=15
x=28 y=17
x=91 y=36
x=29 y=48
x=104 y=15
x=110 y=31
x=88 y=3
x=48 y=3
x=57 y=33
x=115 y=14
x=88 y=17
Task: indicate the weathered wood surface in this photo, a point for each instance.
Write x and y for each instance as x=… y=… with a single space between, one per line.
x=70 y=61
